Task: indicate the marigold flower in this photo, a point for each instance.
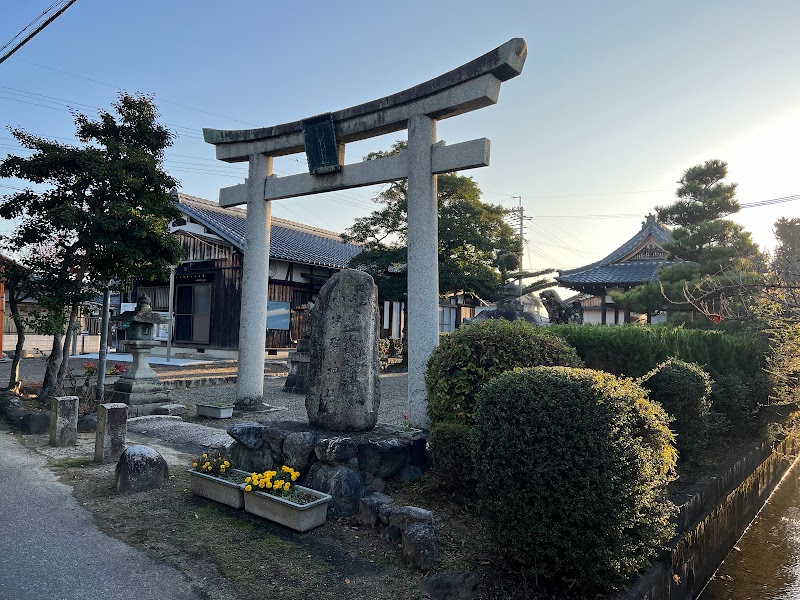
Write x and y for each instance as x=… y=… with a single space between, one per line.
x=194 y=464
x=286 y=486
x=248 y=488
x=248 y=479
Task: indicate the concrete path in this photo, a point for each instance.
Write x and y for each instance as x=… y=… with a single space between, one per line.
x=52 y=550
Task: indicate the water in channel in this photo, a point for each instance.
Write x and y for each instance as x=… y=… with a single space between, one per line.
x=765 y=565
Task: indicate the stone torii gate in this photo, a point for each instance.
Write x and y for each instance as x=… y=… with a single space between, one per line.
x=469 y=87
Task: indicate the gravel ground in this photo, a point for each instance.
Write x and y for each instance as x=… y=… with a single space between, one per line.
x=393 y=389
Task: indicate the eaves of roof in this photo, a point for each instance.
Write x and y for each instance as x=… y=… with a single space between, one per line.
x=289 y=241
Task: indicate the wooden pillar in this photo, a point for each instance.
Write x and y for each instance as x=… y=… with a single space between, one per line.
x=616 y=315
x=627 y=315
x=603 y=307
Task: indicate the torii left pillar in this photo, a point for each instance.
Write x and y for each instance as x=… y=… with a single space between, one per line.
x=255 y=280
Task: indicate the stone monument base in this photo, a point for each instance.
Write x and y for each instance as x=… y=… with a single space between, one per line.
x=143 y=396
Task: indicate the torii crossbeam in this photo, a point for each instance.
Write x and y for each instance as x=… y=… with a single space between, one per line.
x=469 y=87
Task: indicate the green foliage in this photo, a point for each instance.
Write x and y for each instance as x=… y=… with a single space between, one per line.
x=475 y=353
x=683 y=389
x=103 y=217
x=473 y=236
x=633 y=351
x=452 y=468
x=572 y=486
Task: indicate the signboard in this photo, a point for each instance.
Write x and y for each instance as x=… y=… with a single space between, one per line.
x=278 y=315
x=161 y=332
x=322 y=151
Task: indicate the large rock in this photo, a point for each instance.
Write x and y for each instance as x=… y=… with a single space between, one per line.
x=383 y=458
x=298 y=450
x=87 y=423
x=419 y=545
x=140 y=468
x=256 y=461
x=34 y=422
x=344 y=393
x=452 y=585
x=344 y=485
x=248 y=434
x=369 y=508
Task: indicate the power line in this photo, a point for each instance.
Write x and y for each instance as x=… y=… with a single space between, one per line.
x=31 y=35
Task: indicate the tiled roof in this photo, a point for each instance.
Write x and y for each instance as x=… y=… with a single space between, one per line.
x=612 y=270
x=288 y=240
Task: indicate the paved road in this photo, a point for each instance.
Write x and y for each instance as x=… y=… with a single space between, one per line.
x=52 y=550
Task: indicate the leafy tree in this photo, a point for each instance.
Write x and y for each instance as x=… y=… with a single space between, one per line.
x=103 y=217
x=474 y=239
x=702 y=236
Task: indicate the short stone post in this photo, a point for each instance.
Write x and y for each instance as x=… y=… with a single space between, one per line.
x=64 y=421
x=112 y=427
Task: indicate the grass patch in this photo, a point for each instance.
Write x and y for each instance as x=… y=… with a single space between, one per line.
x=227 y=553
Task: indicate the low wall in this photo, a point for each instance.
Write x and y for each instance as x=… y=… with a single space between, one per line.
x=44 y=343
x=710 y=520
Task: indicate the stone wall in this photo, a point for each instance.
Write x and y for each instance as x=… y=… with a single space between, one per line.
x=711 y=518
x=348 y=466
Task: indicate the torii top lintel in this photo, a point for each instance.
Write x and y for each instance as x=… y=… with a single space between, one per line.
x=473 y=85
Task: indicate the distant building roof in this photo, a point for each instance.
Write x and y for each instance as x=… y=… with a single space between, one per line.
x=635 y=262
x=288 y=240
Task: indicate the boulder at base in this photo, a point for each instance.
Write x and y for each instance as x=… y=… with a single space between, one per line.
x=140 y=468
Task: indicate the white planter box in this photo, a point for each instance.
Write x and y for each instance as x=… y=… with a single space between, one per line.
x=215 y=412
x=216 y=489
x=300 y=517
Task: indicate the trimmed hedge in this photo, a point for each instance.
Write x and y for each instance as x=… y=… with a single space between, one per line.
x=683 y=389
x=452 y=468
x=737 y=359
x=571 y=466
x=475 y=353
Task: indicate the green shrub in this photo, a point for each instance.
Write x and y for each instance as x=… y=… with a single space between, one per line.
x=452 y=468
x=683 y=389
x=571 y=466
x=475 y=353
x=633 y=351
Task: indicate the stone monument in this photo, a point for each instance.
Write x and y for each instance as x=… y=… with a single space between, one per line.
x=139 y=386
x=343 y=390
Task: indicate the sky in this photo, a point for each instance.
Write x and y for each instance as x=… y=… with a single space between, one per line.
x=616 y=99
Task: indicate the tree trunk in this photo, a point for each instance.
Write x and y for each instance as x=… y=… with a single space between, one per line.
x=19 y=323
x=53 y=365
x=68 y=337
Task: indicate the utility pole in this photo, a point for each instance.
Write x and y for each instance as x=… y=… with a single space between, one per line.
x=517 y=215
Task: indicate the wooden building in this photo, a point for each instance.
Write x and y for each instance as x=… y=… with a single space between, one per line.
x=207 y=296
x=633 y=263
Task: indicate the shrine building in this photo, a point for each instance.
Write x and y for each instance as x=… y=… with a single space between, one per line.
x=633 y=263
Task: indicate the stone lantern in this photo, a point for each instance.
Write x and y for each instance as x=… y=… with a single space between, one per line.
x=139 y=386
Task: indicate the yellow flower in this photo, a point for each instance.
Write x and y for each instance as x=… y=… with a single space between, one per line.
x=227 y=463
x=261 y=484
x=194 y=464
x=286 y=486
x=295 y=476
x=247 y=479
x=285 y=469
x=205 y=455
x=248 y=488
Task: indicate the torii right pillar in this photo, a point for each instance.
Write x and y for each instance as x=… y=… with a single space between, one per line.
x=423 y=263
